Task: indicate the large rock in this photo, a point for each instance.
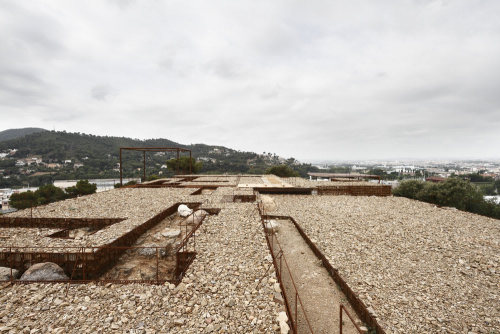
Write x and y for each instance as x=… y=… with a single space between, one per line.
x=184 y=210
x=271 y=226
x=268 y=203
x=45 y=271
x=150 y=250
x=5 y=273
x=283 y=322
x=196 y=217
x=171 y=232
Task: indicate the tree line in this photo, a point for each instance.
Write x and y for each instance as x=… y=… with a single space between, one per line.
x=454 y=192
x=49 y=193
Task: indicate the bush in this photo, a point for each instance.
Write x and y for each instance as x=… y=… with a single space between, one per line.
x=23 y=200
x=282 y=171
x=83 y=187
x=454 y=192
x=50 y=193
x=409 y=189
x=152 y=177
x=182 y=165
x=129 y=183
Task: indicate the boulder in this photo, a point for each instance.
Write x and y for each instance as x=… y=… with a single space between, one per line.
x=271 y=226
x=5 y=273
x=150 y=250
x=268 y=203
x=196 y=217
x=171 y=232
x=45 y=271
x=184 y=210
x=282 y=319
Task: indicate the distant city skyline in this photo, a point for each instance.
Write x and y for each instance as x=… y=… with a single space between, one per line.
x=334 y=80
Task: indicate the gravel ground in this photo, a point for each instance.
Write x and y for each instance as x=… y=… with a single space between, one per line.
x=229 y=288
x=135 y=205
x=420 y=268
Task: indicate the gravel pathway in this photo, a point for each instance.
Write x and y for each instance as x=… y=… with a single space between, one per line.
x=318 y=292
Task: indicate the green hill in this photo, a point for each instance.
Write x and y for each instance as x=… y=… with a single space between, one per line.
x=98 y=157
x=17 y=133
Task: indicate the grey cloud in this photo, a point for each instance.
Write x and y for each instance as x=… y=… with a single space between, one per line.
x=322 y=79
x=225 y=68
x=101 y=92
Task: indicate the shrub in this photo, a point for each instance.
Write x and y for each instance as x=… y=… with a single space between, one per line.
x=83 y=187
x=182 y=165
x=282 y=171
x=50 y=193
x=453 y=192
x=408 y=189
x=23 y=200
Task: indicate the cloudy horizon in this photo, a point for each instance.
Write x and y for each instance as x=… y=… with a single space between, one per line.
x=322 y=80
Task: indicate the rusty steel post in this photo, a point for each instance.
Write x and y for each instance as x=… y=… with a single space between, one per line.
x=157 y=267
x=10 y=263
x=121 y=170
x=296 y=319
x=177 y=164
x=281 y=255
x=84 y=264
x=340 y=320
x=190 y=163
x=144 y=171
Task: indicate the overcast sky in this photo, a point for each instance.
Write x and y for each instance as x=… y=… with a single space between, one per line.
x=307 y=79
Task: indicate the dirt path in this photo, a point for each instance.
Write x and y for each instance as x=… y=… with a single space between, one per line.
x=318 y=292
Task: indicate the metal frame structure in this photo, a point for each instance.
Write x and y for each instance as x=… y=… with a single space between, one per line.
x=154 y=149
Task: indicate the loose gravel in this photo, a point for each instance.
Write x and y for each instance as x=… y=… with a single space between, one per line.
x=419 y=268
x=134 y=205
x=229 y=288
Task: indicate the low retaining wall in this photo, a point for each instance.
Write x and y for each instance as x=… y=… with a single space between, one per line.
x=382 y=190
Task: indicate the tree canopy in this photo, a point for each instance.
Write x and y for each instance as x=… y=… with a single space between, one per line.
x=49 y=193
x=182 y=165
x=454 y=192
x=282 y=171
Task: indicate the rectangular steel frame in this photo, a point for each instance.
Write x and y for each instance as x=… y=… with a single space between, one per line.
x=154 y=149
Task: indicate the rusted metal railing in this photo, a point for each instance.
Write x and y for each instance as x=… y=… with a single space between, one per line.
x=292 y=299
x=342 y=308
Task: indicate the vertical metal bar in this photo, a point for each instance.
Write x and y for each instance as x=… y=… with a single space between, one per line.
x=296 y=319
x=340 y=320
x=157 y=267
x=10 y=263
x=121 y=170
x=281 y=255
x=144 y=171
x=177 y=164
x=84 y=265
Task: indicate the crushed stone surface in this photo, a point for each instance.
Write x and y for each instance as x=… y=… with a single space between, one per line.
x=419 y=268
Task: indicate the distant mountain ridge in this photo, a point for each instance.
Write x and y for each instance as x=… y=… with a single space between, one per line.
x=18 y=133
